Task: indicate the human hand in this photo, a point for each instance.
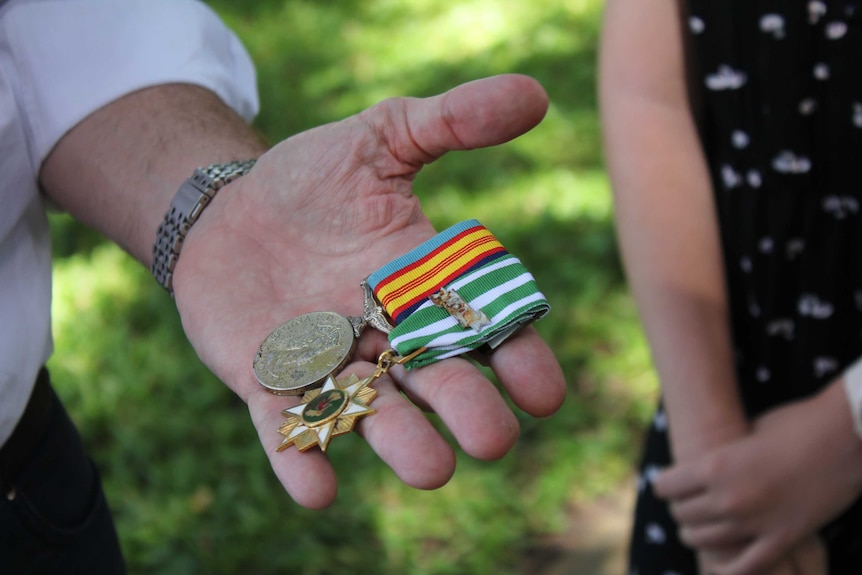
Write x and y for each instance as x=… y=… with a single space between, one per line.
x=807 y=558
x=318 y=213
x=763 y=495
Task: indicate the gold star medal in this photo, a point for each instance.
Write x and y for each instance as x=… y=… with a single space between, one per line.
x=333 y=409
x=326 y=412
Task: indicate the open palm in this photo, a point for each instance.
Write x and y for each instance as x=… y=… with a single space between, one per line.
x=318 y=213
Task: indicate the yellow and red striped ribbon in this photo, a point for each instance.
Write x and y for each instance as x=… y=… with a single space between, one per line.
x=405 y=283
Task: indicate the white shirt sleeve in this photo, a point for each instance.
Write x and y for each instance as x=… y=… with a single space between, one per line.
x=72 y=57
x=61 y=60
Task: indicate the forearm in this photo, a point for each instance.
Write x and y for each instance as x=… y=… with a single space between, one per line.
x=670 y=248
x=666 y=223
x=119 y=168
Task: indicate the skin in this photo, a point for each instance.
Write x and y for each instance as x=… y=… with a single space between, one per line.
x=773 y=488
x=738 y=487
x=317 y=214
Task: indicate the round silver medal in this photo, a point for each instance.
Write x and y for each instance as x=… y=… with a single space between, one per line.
x=300 y=353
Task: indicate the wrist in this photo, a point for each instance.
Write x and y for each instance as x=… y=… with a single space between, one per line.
x=710 y=433
x=186 y=207
x=699 y=427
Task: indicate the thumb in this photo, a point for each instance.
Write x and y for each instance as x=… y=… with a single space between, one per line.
x=477 y=114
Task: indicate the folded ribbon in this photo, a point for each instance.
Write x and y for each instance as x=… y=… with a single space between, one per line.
x=458 y=291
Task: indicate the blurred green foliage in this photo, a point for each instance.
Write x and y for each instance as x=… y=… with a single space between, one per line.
x=187 y=479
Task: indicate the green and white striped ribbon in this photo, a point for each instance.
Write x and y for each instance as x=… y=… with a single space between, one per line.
x=504 y=290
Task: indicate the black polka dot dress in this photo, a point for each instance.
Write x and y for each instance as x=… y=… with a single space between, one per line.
x=776 y=89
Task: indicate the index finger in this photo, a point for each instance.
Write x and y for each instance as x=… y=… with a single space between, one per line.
x=679 y=482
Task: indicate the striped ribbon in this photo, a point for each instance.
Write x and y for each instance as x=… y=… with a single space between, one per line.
x=468 y=259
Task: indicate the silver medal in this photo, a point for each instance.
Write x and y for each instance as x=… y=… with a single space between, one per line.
x=299 y=354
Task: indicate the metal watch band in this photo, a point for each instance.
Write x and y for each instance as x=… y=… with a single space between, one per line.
x=186 y=207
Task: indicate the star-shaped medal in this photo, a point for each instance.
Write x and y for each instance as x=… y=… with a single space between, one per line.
x=326 y=412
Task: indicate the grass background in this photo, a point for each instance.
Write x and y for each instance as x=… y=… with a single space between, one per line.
x=189 y=484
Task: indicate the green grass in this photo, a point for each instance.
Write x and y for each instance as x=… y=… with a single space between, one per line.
x=188 y=481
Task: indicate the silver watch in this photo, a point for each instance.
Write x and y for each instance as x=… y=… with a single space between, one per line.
x=186 y=207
